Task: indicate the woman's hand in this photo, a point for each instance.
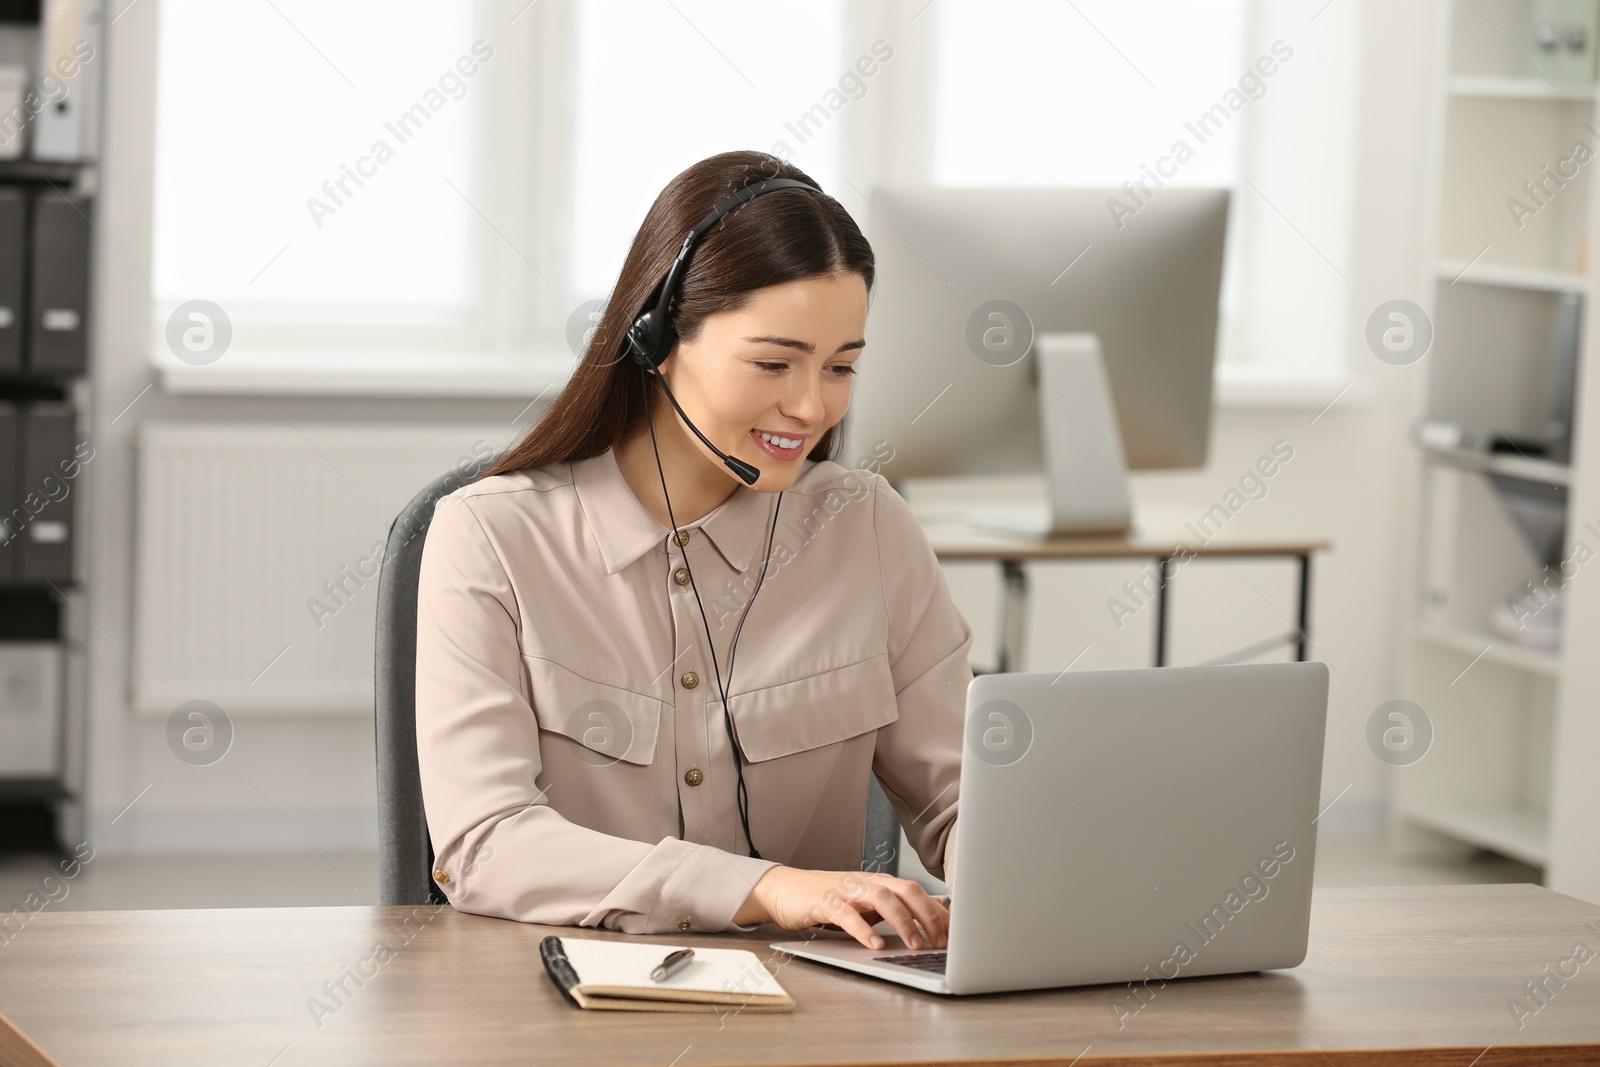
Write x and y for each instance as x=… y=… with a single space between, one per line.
x=794 y=899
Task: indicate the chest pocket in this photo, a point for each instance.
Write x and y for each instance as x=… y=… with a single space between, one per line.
x=811 y=712
x=611 y=723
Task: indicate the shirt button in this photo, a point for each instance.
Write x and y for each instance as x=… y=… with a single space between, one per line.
x=683 y=923
x=442 y=877
x=690 y=679
x=682 y=537
x=693 y=776
x=681 y=575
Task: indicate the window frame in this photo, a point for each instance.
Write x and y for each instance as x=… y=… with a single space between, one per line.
x=517 y=198
x=521 y=347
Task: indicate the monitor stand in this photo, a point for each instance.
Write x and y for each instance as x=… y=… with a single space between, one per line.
x=1086 y=473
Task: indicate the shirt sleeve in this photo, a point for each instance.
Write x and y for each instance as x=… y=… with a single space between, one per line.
x=918 y=756
x=504 y=850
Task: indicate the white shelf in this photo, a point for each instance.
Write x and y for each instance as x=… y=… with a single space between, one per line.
x=1503 y=88
x=1507 y=463
x=1470 y=645
x=1458 y=272
x=1510 y=831
x=1518 y=715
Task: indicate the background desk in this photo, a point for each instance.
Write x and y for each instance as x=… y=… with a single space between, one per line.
x=1390 y=971
x=1164 y=543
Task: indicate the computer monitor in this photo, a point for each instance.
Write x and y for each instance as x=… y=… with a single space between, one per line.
x=978 y=289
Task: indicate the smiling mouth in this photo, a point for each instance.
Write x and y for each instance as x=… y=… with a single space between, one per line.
x=772 y=448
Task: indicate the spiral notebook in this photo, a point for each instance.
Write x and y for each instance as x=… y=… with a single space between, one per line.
x=595 y=973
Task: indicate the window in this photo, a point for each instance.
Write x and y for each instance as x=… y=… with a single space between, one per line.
x=317 y=166
x=503 y=200
x=662 y=85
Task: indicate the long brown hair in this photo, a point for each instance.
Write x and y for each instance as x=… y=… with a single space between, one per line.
x=778 y=237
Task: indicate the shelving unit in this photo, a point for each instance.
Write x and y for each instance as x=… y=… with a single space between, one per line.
x=46 y=237
x=1498 y=275
x=43 y=638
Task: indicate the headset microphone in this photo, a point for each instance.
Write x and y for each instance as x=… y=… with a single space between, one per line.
x=648 y=341
x=744 y=470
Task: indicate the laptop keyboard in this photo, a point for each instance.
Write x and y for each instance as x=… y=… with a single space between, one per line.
x=922 y=961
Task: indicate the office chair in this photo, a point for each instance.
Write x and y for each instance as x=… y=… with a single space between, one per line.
x=405 y=853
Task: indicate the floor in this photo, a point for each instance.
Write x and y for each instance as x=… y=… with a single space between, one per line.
x=108 y=883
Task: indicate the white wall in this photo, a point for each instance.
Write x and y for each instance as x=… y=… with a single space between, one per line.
x=291 y=783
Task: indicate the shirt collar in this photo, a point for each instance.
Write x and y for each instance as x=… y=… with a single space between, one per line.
x=625 y=531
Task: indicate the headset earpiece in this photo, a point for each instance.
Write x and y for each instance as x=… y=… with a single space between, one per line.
x=640 y=346
x=645 y=334
x=650 y=337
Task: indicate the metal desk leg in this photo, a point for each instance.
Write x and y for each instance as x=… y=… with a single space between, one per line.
x=1305 y=607
x=1013 y=614
x=1163 y=579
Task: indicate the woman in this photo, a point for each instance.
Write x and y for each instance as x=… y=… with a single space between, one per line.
x=581 y=604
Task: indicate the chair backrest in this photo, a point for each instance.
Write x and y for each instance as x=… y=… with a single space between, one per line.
x=881 y=849
x=405 y=853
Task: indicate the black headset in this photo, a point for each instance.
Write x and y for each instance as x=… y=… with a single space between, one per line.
x=648 y=342
x=651 y=336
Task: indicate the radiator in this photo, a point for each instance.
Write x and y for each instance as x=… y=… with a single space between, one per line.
x=256 y=555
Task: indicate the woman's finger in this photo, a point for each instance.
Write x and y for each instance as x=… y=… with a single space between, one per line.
x=894 y=910
x=930 y=912
x=857 y=927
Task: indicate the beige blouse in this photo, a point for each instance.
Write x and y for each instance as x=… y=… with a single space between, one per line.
x=575 y=767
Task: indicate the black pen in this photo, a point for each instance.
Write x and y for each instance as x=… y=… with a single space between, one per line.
x=673 y=962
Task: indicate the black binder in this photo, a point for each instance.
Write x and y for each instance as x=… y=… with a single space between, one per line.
x=12 y=514
x=45 y=547
x=13 y=276
x=58 y=326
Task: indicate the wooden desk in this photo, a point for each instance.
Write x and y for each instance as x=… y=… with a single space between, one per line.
x=1414 y=975
x=1168 y=543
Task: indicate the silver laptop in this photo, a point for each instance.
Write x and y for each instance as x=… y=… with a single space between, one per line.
x=1122 y=826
